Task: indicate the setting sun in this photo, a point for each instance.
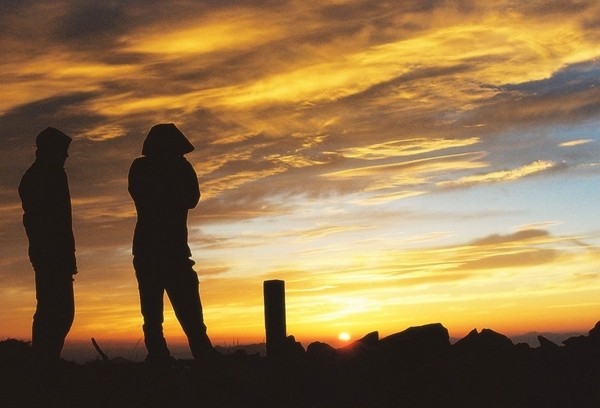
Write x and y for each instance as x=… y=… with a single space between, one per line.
x=344 y=336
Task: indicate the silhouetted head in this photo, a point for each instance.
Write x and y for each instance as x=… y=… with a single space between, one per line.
x=52 y=144
x=166 y=140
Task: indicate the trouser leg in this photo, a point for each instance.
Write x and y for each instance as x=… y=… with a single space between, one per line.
x=151 y=302
x=184 y=295
x=54 y=314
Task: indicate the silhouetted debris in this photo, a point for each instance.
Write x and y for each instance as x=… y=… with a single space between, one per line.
x=416 y=367
x=99 y=350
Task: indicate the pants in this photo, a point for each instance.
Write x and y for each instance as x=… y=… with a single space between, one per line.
x=54 y=314
x=180 y=282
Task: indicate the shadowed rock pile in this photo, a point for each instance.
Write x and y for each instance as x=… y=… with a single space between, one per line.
x=417 y=367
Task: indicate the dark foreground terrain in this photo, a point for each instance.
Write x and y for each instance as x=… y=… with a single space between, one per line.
x=416 y=368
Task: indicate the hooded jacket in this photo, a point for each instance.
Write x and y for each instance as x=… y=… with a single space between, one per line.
x=46 y=201
x=164 y=186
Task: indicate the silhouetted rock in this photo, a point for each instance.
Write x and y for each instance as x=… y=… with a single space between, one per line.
x=595 y=333
x=531 y=338
x=359 y=347
x=293 y=348
x=415 y=368
x=585 y=344
x=15 y=361
x=15 y=352
x=576 y=341
x=318 y=351
x=487 y=341
x=370 y=340
x=416 y=343
x=547 y=344
x=433 y=334
x=523 y=346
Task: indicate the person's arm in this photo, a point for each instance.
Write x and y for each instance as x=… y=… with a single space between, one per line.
x=48 y=221
x=134 y=181
x=192 y=189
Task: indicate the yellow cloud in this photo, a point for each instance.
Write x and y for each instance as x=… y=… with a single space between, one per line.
x=323 y=231
x=409 y=173
x=234 y=29
x=55 y=73
x=500 y=176
x=432 y=164
x=215 y=187
x=294 y=160
x=398 y=148
x=498 y=50
x=103 y=132
x=575 y=142
x=214 y=162
x=386 y=198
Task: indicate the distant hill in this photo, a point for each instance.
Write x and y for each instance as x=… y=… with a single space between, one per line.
x=531 y=338
x=250 y=349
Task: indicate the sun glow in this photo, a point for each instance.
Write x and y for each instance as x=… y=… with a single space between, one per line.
x=344 y=336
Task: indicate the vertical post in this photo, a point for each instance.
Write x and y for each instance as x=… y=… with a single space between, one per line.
x=274 y=295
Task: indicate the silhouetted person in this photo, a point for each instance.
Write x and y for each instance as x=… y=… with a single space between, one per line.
x=46 y=201
x=164 y=186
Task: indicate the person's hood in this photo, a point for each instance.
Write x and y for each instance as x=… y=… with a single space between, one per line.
x=52 y=139
x=166 y=140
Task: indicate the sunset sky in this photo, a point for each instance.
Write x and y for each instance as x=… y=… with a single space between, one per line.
x=397 y=163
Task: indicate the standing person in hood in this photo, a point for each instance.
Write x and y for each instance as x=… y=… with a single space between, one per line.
x=164 y=186
x=47 y=218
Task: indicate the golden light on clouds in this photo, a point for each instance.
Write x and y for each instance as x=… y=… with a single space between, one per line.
x=104 y=132
x=399 y=148
x=504 y=175
x=575 y=143
x=216 y=32
x=411 y=172
x=46 y=76
x=384 y=198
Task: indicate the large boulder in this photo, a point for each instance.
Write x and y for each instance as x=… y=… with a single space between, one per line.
x=595 y=334
x=321 y=352
x=368 y=341
x=431 y=335
x=547 y=344
x=416 y=344
x=485 y=342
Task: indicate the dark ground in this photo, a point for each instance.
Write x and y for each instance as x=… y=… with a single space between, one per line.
x=416 y=368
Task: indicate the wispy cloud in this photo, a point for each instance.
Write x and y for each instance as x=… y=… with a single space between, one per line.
x=500 y=176
x=575 y=142
x=400 y=148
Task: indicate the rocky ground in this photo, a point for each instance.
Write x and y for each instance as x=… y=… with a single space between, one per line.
x=416 y=368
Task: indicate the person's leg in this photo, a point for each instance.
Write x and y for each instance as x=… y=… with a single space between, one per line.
x=151 y=302
x=183 y=291
x=52 y=321
x=54 y=314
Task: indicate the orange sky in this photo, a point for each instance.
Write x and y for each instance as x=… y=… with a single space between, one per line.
x=396 y=163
